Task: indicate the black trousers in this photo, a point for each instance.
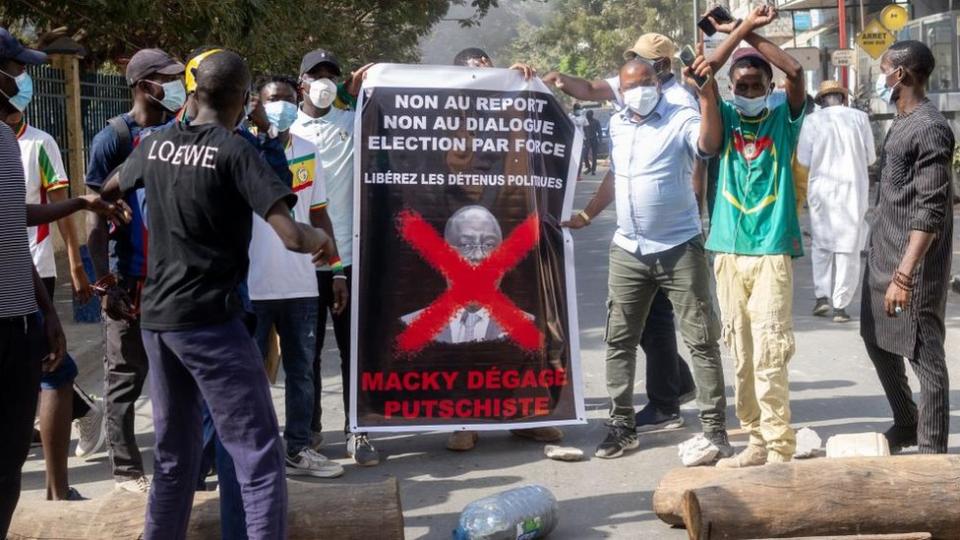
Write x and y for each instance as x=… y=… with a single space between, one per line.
x=931 y=419
x=81 y=403
x=668 y=374
x=21 y=346
x=591 y=148
x=341 y=332
x=125 y=370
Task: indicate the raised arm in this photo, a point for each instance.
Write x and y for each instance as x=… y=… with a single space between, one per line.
x=711 y=123
x=746 y=31
x=581 y=89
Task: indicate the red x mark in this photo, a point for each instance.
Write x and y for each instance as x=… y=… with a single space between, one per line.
x=469 y=284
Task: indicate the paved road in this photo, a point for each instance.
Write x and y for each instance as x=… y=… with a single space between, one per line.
x=834 y=390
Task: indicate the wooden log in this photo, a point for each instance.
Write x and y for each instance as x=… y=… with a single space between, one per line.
x=315 y=510
x=667 y=498
x=882 y=495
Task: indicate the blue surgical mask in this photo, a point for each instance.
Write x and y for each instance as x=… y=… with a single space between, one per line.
x=883 y=91
x=174 y=95
x=24 y=94
x=281 y=114
x=750 y=106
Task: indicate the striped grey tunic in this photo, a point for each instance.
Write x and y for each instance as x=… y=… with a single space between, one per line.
x=16 y=265
x=915 y=193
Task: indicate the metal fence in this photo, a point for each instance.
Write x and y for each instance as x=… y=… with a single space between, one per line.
x=101 y=97
x=48 y=109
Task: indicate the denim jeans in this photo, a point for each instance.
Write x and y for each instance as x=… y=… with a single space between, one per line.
x=296 y=323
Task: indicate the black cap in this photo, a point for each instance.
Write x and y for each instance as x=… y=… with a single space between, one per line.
x=11 y=49
x=314 y=58
x=146 y=62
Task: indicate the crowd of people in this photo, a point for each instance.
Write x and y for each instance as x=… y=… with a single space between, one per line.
x=241 y=181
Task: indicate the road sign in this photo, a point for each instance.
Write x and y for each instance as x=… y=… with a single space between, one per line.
x=843 y=57
x=894 y=17
x=875 y=39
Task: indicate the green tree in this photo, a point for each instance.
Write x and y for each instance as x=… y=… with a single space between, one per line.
x=272 y=34
x=587 y=37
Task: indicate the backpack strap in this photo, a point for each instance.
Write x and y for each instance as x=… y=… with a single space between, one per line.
x=120 y=126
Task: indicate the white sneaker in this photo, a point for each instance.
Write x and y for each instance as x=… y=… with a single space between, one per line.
x=309 y=463
x=92 y=432
x=135 y=485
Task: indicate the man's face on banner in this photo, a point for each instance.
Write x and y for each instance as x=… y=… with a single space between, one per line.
x=474 y=232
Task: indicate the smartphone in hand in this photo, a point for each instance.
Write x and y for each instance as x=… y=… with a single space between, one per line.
x=687 y=56
x=719 y=14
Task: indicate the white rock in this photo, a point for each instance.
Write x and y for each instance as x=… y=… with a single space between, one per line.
x=808 y=443
x=857 y=445
x=697 y=451
x=563 y=453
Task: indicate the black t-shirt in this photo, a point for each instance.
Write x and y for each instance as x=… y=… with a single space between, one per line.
x=201 y=184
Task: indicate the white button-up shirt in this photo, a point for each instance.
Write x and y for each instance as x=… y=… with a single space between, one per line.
x=652 y=164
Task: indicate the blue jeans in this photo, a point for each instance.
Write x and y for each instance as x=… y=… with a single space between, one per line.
x=296 y=323
x=221 y=365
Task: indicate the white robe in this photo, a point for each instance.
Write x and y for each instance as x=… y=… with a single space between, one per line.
x=836 y=144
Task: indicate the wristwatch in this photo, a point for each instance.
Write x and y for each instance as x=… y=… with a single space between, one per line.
x=583 y=214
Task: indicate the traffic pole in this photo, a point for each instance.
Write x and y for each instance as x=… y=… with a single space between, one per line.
x=842 y=20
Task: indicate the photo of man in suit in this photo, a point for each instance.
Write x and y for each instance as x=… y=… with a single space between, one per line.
x=475 y=233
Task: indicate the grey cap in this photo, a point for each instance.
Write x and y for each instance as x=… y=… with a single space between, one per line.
x=146 y=62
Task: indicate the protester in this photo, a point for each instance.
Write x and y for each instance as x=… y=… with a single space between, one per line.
x=755 y=232
x=911 y=247
x=658 y=245
x=283 y=284
x=580 y=123
x=669 y=382
x=214 y=457
x=60 y=400
x=836 y=146
x=330 y=129
x=31 y=337
x=158 y=93
x=195 y=339
x=592 y=135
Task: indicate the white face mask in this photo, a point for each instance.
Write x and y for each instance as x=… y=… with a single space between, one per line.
x=750 y=106
x=642 y=99
x=322 y=93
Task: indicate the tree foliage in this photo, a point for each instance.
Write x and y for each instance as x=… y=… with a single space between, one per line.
x=272 y=34
x=587 y=37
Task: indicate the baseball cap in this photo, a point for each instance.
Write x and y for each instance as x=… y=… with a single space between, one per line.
x=146 y=62
x=320 y=56
x=12 y=49
x=651 y=47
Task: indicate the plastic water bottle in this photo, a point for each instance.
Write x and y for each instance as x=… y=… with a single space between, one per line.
x=523 y=513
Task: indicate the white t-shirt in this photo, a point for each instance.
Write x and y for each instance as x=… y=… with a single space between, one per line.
x=333 y=136
x=277 y=273
x=673 y=91
x=44 y=172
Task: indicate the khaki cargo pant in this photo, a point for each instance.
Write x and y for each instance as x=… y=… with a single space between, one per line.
x=756 y=302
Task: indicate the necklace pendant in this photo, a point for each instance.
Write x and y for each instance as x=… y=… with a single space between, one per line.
x=750 y=151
